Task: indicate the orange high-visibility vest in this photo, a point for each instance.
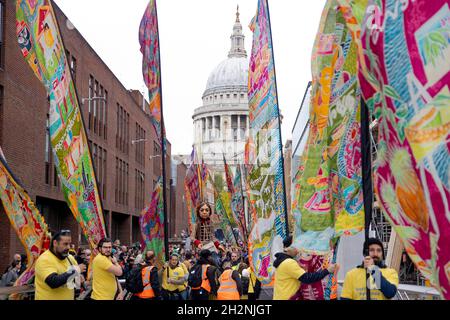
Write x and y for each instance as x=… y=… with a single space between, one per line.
x=205 y=282
x=148 y=292
x=228 y=288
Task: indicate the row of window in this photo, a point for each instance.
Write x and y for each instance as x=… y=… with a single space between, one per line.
x=99 y=157
x=48 y=156
x=122 y=174
x=97 y=108
x=140 y=144
x=139 y=187
x=221 y=96
x=123 y=129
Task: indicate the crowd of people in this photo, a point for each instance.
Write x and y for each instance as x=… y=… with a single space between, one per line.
x=210 y=270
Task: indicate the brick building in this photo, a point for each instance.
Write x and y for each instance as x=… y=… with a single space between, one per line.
x=178 y=220
x=123 y=145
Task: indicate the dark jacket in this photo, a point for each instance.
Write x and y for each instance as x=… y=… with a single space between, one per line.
x=237 y=278
x=211 y=274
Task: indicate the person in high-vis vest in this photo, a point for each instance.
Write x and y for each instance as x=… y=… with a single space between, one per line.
x=235 y=260
x=230 y=287
x=208 y=288
x=173 y=279
x=150 y=280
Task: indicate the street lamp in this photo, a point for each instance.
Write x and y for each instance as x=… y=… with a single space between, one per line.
x=83 y=100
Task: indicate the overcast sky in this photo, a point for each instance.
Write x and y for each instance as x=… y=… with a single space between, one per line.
x=195 y=38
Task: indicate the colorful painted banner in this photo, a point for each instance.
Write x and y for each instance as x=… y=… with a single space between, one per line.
x=228 y=176
x=237 y=204
x=405 y=76
x=151 y=63
x=192 y=190
x=151 y=222
x=25 y=219
x=264 y=152
x=225 y=223
x=43 y=49
x=330 y=195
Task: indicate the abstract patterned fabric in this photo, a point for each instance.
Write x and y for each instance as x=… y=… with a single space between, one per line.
x=151 y=65
x=151 y=222
x=405 y=77
x=25 y=219
x=264 y=152
x=43 y=49
x=237 y=204
x=326 y=289
x=192 y=183
x=330 y=193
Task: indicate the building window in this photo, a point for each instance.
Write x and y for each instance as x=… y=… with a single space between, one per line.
x=95 y=102
x=123 y=130
x=234 y=126
x=140 y=144
x=73 y=68
x=47 y=150
x=242 y=96
x=91 y=94
x=2 y=33
x=104 y=174
x=122 y=172
x=105 y=117
x=139 y=190
x=55 y=177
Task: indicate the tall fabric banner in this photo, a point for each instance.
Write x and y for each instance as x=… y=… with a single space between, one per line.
x=330 y=195
x=192 y=190
x=43 y=49
x=330 y=201
x=228 y=176
x=149 y=41
x=237 y=204
x=225 y=223
x=25 y=219
x=151 y=222
x=264 y=152
x=405 y=76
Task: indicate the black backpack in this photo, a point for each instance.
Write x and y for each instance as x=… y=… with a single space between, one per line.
x=195 y=276
x=134 y=282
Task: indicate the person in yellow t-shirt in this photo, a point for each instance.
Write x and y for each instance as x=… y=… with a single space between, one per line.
x=289 y=275
x=56 y=272
x=383 y=281
x=174 y=279
x=105 y=269
x=254 y=285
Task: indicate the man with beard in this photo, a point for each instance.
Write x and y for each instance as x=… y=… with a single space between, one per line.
x=105 y=269
x=383 y=280
x=55 y=269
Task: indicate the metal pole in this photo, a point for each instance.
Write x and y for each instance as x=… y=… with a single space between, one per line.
x=163 y=152
x=279 y=125
x=366 y=151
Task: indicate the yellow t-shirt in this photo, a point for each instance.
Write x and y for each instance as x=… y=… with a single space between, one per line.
x=176 y=274
x=286 y=279
x=355 y=284
x=104 y=285
x=47 y=264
